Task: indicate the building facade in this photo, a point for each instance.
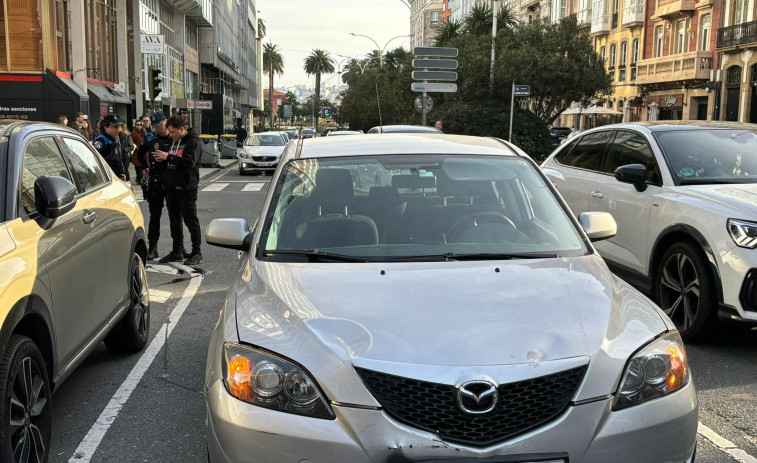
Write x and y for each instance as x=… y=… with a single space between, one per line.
x=426 y=17
x=62 y=57
x=737 y=45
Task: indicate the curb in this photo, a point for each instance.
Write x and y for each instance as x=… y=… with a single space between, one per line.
x=215 y=170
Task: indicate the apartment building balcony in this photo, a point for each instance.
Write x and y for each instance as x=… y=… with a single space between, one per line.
x=529 y=3
x=673 y=8
x=633 y=14
x=694 y=65
x=600 y=24
x=740 y=34
x=584 y=17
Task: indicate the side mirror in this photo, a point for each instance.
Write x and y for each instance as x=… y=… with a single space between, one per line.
x=635 y=174
x=54 y=196
x=229 y=233
x=598 y=225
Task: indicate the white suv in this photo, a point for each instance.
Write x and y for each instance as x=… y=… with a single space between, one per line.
x=684 y=196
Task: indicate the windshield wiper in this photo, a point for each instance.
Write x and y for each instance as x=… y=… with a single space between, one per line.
x=315 y=255
x=498 y=256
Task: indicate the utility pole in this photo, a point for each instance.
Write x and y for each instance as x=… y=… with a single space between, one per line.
x=494 y=43
x=512 y=106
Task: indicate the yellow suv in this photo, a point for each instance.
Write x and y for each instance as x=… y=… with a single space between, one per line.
x=72 y=253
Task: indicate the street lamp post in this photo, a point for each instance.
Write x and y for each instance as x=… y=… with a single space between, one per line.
x=494 y=43
x=378 y=47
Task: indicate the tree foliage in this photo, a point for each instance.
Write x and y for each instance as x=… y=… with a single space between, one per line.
x=317 y=63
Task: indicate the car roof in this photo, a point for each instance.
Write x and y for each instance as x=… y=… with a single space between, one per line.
x=266 y=133
x=7 y=126
x=664 y=126
x=405 y=129
x=417 y=143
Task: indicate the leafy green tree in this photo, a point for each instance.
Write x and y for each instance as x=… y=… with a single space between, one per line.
x=506 y=17
x=559 y=63
x=290 y=100
x=261 y=29
x=317 y=63
x=273 y=63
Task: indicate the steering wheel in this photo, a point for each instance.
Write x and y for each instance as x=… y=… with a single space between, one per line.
x=469 y=221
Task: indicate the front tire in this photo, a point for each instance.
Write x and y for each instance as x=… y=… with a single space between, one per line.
x=25 y=413
x=131 y=333
x=685 y=291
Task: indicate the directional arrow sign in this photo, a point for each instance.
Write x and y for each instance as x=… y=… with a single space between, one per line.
x=434 y=75
x=433 y=87
x=434 y=51
x=435 y=63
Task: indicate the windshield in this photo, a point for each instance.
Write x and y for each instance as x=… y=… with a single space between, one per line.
x=711 y=156
x=416 y=206
x=308 y=131
x=264 y=140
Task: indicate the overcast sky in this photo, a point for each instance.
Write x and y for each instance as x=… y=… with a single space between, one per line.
x=299 y=26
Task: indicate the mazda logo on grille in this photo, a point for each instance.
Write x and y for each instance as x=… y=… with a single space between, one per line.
x=477 y=397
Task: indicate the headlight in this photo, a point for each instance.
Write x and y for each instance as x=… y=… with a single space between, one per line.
x=744 y=233
x=658 y=369
x=244 y=155
x=263 y=379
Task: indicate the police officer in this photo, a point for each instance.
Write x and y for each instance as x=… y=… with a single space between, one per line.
x=152 y=177
x=109 y=146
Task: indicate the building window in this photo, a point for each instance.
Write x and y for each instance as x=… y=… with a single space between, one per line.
x=613 y=53
x=434 y=17
x=740 y=9
x=624 y=54
x=658 y=42
x=559 y=9
x=603 y=54
x=21 y=37
x=100 y=26
x=634 y=51
x=704 y=33
x=681 y=36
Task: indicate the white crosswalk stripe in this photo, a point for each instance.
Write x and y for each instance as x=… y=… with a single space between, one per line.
x=253 y=187
x=215 y=187
x=159 y=296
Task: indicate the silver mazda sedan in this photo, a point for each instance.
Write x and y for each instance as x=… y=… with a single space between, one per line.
x=430 y=298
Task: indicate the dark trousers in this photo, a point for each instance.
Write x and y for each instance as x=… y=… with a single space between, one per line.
x=182 y=205
x=155 y=195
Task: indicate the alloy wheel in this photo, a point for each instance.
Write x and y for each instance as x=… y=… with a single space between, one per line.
x=140 y=298
x=680 y=290
x=28 y=401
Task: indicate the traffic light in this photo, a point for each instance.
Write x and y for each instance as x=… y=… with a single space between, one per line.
x=325 y=112
x=155 y=82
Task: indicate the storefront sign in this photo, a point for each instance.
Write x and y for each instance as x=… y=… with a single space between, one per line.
x=152 y=44
x=190 y=104
x=203 y=104
x=21 y=109
x=672 y=100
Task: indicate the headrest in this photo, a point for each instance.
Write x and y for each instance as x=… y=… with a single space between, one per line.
x=483 y=190
x=413 y=181
x=384 y=194
x=333 y=190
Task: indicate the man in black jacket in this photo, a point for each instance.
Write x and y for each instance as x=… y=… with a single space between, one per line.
x=181 y=179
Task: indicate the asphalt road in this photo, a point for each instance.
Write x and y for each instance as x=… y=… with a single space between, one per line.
x=102 y=416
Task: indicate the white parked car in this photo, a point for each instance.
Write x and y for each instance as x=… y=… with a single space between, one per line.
x=261 y=152
x=446 y=308
x=684 y=196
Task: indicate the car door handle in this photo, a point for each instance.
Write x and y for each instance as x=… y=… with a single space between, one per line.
x=597 y=194
x=89 y=217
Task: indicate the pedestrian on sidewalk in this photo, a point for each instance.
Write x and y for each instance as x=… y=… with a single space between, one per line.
x=181 y=180
x=109 y=146
x=152 y=180
x=127 y=148
x=138 y=137
x=146 y=123
x=62 y=119
x=86 y=131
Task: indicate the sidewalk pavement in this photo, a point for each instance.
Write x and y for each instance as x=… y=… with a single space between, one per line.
x=205 y=172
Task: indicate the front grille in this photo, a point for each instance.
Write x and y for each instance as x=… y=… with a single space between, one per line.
x=264 y=158
x=522 y=406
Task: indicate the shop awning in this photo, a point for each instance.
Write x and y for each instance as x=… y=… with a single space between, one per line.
x=107 y=94
x=74 y=88
x=591 y=110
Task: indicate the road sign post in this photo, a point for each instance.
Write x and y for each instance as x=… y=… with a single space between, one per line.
x=518 y=90
x=427 y=73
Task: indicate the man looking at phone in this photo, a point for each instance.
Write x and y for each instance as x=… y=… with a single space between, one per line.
x=181 y=179
x=152 y=180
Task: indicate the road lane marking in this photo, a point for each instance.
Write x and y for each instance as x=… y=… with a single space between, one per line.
x=225 y=171
x=158 y=268
x=215 y=187
x=724 y=445
x=159 y=296
x=94 y=437
x=253 y=187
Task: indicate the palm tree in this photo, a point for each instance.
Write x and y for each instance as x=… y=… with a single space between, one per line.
x=273 y=62
x=393 y=59
x=352 y=69
x=479 y=20
x=317 y=63
x=374 y=58
x=261 y=29
x=506 y=18
x=449 y=30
